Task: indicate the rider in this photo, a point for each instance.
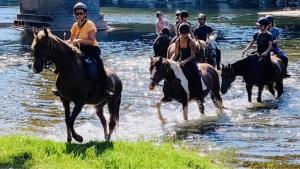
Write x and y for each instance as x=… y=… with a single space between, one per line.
x=202 y=31
x=160 y=23
x=263 y=39
x=185 y=49
x=275 y=35
x=177 y=21
x=184 y=15
x=83 y=34
x=161 y=43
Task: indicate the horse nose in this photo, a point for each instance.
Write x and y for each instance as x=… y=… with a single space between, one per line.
x=151 y=87
x=223 y=91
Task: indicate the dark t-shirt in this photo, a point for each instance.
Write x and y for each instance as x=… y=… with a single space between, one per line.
x=262 y=40
x=202 y=31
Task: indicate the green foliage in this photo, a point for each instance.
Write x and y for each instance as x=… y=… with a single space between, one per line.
x=25 y=152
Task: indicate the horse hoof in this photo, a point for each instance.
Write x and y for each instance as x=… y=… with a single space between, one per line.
x=107 y=138
x=78 y=138
x=69 y=139
x=258 y=100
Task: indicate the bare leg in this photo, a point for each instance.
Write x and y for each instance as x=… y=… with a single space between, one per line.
x=249 y=91
x=76 y=111
x=260 y=89
x=99 y=112
x=66 y=105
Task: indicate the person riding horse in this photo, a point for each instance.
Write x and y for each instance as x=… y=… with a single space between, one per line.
x=161 y=43
x=83 y=35
x=202 y=32
x=160 y=23
x=185 y=49
x=275 y=35
x=184 y=15
x=263 y=38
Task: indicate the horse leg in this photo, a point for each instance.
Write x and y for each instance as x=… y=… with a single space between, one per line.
x=113 y=108
x=271 y=88
x=260 y=89
x=99 y=112
x=66 y=105
x=249 y=91
x=160 y=116
x=75 y=112
x=279 y=88
x=217 y=99
x=185 y=110
x=200 y=106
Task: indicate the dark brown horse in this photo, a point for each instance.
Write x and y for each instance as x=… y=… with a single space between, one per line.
x=176 y=86
x=73 y=83
x=253 y=73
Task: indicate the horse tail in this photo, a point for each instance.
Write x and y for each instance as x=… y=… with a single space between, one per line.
x=215 y=90
x=114 y=104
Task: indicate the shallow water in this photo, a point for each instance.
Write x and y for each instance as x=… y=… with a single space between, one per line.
x=258 y=131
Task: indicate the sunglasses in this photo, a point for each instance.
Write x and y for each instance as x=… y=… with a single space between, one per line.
x=79 y=13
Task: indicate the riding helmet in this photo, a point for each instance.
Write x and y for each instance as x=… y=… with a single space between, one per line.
x=270 y=18
x=201 y=16
x=177 y=13
x=262 y=21
x=184 y=14
x=184 y=28
x=158 y=13
x=80 y=5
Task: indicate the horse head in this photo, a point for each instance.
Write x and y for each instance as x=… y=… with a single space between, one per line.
x=41 y=49
x=228 y=76
x=157 y=71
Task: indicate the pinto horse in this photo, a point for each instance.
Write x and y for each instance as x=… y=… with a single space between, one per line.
x=176 y=86
x=73 y=83
x=252 y=71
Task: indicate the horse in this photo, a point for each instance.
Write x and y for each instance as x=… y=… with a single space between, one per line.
x=73 y=83
x=161 y=44
x=252 y=71
x=176 y=86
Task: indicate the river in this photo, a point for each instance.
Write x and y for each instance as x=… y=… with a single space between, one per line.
x=258 y=132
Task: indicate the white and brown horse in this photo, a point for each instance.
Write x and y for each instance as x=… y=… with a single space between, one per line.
x=176 y=85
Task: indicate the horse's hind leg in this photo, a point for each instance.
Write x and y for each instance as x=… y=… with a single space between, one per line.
x=113 y=108
x=279 y=88
x=217 y=100
x=201 y=106
x=185 y=110
x=75 y=112
x=99 y=112
x=249 y=91
x=260 y=89
x=271 y=88
x=66 y=105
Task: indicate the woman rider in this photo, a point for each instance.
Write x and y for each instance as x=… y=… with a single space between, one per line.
x=263 y=39
x=83 y=34
x=275 y=35
x=185 y=49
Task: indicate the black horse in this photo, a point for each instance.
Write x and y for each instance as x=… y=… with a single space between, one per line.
x=161 y=44
x=254 y=73
x=73 y=83
x=176 y=86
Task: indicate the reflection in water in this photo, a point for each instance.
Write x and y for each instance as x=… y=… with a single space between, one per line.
x=257 y=131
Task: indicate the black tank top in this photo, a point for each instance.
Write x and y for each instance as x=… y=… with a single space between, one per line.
x=185 y=52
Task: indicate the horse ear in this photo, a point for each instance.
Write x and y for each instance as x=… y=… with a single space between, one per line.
x=46 y=32
x=35 y=31
x=222 y=66
x=160 y=59
x=151 y=58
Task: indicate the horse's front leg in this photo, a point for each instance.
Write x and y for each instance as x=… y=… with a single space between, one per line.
x=158 y=105
x=249 y=92
x=75 y=112
x=66 y=105
x=185 y=110
x=201 y=106
x=260 y=89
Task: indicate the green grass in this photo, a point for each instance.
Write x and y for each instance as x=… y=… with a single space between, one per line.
x=25 y=152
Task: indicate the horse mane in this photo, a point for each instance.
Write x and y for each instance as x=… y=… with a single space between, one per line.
x=212 y=38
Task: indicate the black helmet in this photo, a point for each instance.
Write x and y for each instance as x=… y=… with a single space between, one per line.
x=184 y=14
x=184 y=28
x=262 y=21
x=80 y=5
x=270 y=18
x=201 y=16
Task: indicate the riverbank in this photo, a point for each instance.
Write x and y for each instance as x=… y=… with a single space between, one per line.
x=26 y=152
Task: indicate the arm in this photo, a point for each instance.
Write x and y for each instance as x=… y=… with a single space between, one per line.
x=268 y=50
x=177 y=52
x=91 y=38
x=249 y=45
